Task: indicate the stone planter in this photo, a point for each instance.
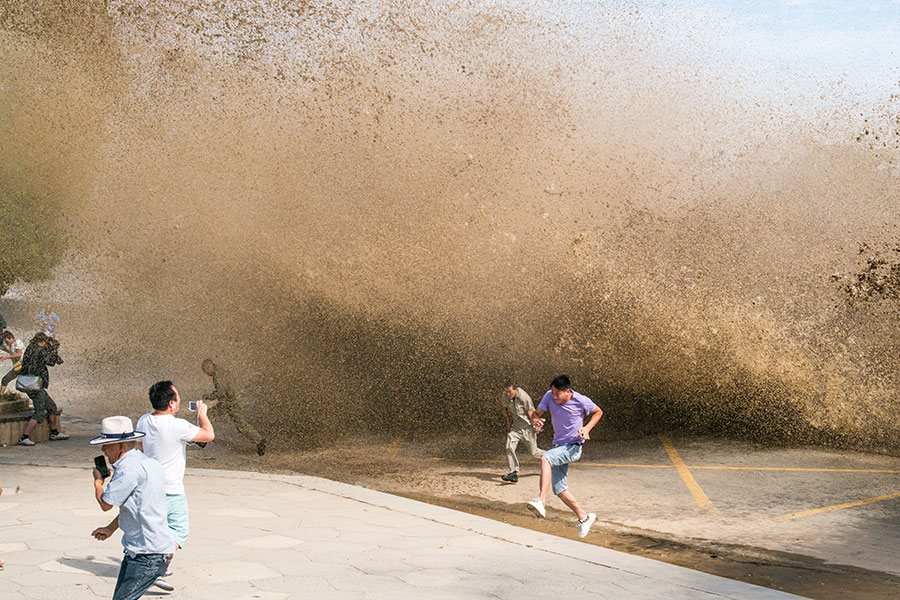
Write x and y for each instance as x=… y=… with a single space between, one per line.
x=14 y=415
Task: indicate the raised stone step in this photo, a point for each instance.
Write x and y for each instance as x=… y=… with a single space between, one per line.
x=20 y=404
x=13 y=424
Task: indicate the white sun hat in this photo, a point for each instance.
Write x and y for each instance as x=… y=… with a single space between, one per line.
x=116 y=429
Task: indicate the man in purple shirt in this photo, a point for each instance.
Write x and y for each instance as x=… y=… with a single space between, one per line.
x=568 y=410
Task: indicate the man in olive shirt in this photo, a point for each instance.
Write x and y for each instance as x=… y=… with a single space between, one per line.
x=517 y=407
x=225 y=395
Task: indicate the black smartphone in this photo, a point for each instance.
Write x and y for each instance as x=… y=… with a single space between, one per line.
x=100 y=463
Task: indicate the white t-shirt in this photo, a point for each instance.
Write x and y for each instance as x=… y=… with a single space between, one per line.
x=165 y=442
x=12 y=349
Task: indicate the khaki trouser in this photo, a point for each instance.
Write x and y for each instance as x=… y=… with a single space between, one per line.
x=512 y=442
x=233 y=408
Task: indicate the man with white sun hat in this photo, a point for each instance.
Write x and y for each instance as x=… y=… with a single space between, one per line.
x=138 y=488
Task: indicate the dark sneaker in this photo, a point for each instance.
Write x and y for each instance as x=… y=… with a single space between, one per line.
x=163 y=584
x=261 y=447
x=201 y=444
x=511 y=477
x=56 y=437
x=26 y=442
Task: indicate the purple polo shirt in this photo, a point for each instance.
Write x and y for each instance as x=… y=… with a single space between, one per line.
x=567 y=418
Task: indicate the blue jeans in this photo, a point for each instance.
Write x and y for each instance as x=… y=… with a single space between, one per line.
x=559 y=459
x=137 y=574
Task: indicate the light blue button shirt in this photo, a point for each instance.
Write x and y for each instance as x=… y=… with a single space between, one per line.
x=138 y=488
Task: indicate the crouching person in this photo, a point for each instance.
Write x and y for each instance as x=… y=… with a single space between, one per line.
x=138 y=488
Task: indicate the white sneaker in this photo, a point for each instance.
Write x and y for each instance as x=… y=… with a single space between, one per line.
x=537 y=507
x=163 y=584
x=26 y=442
x=585 y=526
x=59 y=436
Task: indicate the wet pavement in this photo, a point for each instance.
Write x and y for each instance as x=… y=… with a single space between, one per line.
x=839 y=507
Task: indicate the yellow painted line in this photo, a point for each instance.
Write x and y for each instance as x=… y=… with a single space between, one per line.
x=800 y=469
x=708 y=468
x=836 y=507
x=478 y=460
x=589 y=464
x=534 y=462
x=393 y=448
x=686 y=476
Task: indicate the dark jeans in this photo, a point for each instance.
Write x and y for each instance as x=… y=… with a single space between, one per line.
x=137 y=574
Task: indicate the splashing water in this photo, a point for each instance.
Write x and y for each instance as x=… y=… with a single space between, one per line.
x=383 y=209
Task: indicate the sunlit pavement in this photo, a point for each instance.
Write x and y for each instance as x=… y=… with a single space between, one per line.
x=272 y=536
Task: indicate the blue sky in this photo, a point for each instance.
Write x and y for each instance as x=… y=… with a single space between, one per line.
x=851 y=43
x=763 y=48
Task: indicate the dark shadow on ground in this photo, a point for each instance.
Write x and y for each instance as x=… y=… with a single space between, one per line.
x=488 y=476
x=91 y=565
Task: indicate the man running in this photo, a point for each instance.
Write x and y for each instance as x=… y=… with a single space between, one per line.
x=568 y=409
x=518 y=408
x=225 y=396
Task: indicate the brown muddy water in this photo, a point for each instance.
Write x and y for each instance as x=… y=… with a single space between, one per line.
x=379 y=211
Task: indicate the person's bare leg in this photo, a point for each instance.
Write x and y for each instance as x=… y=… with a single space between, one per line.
x=30 y=427
x=545 y=480
x=569 y=500
x=54 y=422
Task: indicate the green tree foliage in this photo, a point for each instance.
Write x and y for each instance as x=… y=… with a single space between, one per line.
x=33 y=242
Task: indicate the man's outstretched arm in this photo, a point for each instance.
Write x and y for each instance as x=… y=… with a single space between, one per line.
x=206 y=433
x=536 y=421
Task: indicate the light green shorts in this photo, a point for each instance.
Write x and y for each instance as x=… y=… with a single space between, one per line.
x=179 y=524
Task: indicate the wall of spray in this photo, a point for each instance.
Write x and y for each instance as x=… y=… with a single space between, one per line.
x=378 y=211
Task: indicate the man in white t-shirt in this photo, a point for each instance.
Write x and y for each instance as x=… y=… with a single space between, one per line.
x=165 y=441
x=12 y=349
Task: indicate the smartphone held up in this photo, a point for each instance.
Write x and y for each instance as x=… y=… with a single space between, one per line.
x=100 y=465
